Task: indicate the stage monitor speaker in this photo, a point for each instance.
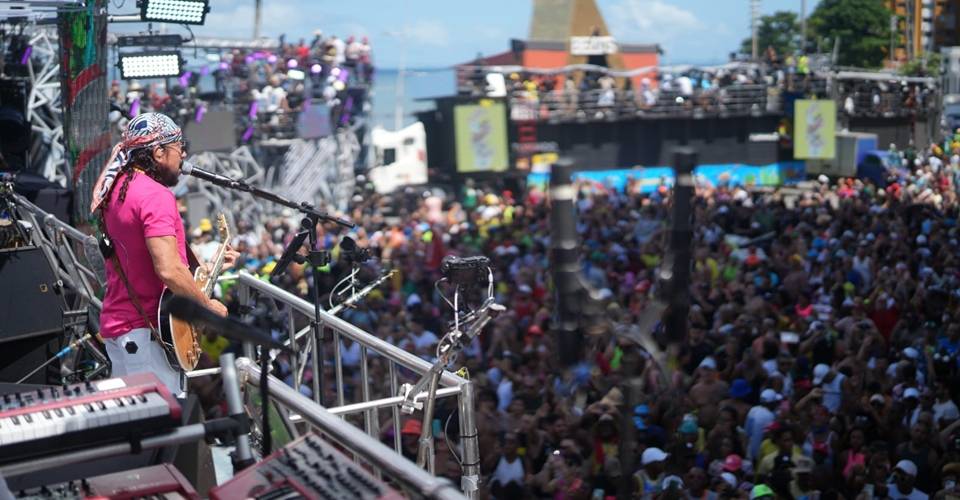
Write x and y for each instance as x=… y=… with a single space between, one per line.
x=14 y=128
x=216 y=132
x=31 y=304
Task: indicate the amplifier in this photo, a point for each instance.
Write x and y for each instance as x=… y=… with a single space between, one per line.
x=30 y=301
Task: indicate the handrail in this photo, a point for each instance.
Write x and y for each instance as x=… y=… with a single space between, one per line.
x=358 y=442
x=347 y=329
x=51 y=220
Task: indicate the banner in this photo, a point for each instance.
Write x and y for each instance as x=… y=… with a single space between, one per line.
x=650 y=178
x=83 y=91
x=592 y=45
x=814 y=125
x=481 y=137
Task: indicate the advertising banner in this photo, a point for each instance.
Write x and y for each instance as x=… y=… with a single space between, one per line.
x=481 y=137
x=814 y=125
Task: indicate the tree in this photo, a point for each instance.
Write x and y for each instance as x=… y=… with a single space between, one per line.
x=779 y=31
x=861 y=26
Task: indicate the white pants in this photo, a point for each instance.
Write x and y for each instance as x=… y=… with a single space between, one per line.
x=148 y=357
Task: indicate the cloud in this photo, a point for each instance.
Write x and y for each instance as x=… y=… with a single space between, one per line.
x=652 y=21
x=235 y=20
x=427 y=32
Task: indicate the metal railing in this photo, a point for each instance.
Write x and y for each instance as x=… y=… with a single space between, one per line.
x=417 y=482
x=401 y=367
x=616 y=104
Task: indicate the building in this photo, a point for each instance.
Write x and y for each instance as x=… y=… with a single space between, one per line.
x=923 y=26
x=567 y=32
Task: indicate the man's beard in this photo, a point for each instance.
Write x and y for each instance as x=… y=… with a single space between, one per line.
x=169 y=178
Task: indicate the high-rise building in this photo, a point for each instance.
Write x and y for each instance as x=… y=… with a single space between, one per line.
x=922 y=26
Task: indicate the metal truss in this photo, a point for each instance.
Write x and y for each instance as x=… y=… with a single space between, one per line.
x=44 y=108
x=238 y=164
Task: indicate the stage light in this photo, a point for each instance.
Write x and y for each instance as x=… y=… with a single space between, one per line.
x=175 y=11
x=150 y=65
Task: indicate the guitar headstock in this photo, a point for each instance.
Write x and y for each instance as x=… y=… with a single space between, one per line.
x=223 y=228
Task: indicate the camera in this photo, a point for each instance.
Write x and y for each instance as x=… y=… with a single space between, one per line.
x=465 y=270
x=353 y=252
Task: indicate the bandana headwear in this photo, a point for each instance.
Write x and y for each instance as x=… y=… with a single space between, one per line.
x=144 y=131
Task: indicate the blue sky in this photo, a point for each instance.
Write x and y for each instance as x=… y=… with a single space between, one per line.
x=436 y=33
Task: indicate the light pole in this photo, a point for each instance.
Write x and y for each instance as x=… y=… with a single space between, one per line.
x=401 y=76
x=754 y=26
x=257 y=10
x=803 y=26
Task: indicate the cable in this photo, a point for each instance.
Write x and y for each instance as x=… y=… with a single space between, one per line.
x=335 y=287
x=446 y=437
x=436 y=287
x=193 y=39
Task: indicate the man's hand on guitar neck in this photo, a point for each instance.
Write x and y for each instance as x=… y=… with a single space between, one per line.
x=175 y=274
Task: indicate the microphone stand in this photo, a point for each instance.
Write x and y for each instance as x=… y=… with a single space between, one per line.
x=316 y=257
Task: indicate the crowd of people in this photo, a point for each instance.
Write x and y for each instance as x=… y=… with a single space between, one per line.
x=819 y=363
x=266 y=88
x=738 y=87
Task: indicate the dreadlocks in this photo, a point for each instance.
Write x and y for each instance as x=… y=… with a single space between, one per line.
x=142 y=158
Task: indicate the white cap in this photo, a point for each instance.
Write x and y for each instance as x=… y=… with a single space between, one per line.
x=770 y=396
x=708 y=362
x=911 y=392
x=819 y=373
x=729 y=479
x=911 y=353
x=651 y=455
x=907 y=467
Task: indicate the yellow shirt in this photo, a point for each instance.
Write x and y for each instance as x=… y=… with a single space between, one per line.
x=214 y=347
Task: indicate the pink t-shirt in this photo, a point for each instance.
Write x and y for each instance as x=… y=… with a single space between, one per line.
x=149 y=210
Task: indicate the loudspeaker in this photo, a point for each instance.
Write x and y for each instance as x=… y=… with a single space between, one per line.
x=14 y=128
x=20 y=357
x=31 y=304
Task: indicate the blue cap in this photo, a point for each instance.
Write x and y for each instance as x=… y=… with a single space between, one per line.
x=639 y=424
x=740 y=388
x=642 y=410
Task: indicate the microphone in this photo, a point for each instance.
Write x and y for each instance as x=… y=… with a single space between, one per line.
x=290 y=254
x=196 y=314
x=188 y=168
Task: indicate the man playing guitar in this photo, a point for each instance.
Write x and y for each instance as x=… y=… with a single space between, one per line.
x=146 y=244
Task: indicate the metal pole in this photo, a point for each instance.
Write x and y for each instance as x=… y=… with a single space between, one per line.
x=803 y=26
x=425 y=453
x=257 y=18
x=243 y=457
x=675 y=272
x=754 y=26
x=470 y=461
x=565 y=261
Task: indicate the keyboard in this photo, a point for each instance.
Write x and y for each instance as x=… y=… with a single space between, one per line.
x=51 y=420
x=157 y=481
x=306 y=468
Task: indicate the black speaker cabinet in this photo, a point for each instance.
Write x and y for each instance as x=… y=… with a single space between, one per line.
x=31 y=305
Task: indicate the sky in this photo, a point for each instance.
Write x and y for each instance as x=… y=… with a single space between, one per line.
x=441 y=33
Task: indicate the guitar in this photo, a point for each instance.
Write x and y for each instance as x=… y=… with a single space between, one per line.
x=180 y=335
